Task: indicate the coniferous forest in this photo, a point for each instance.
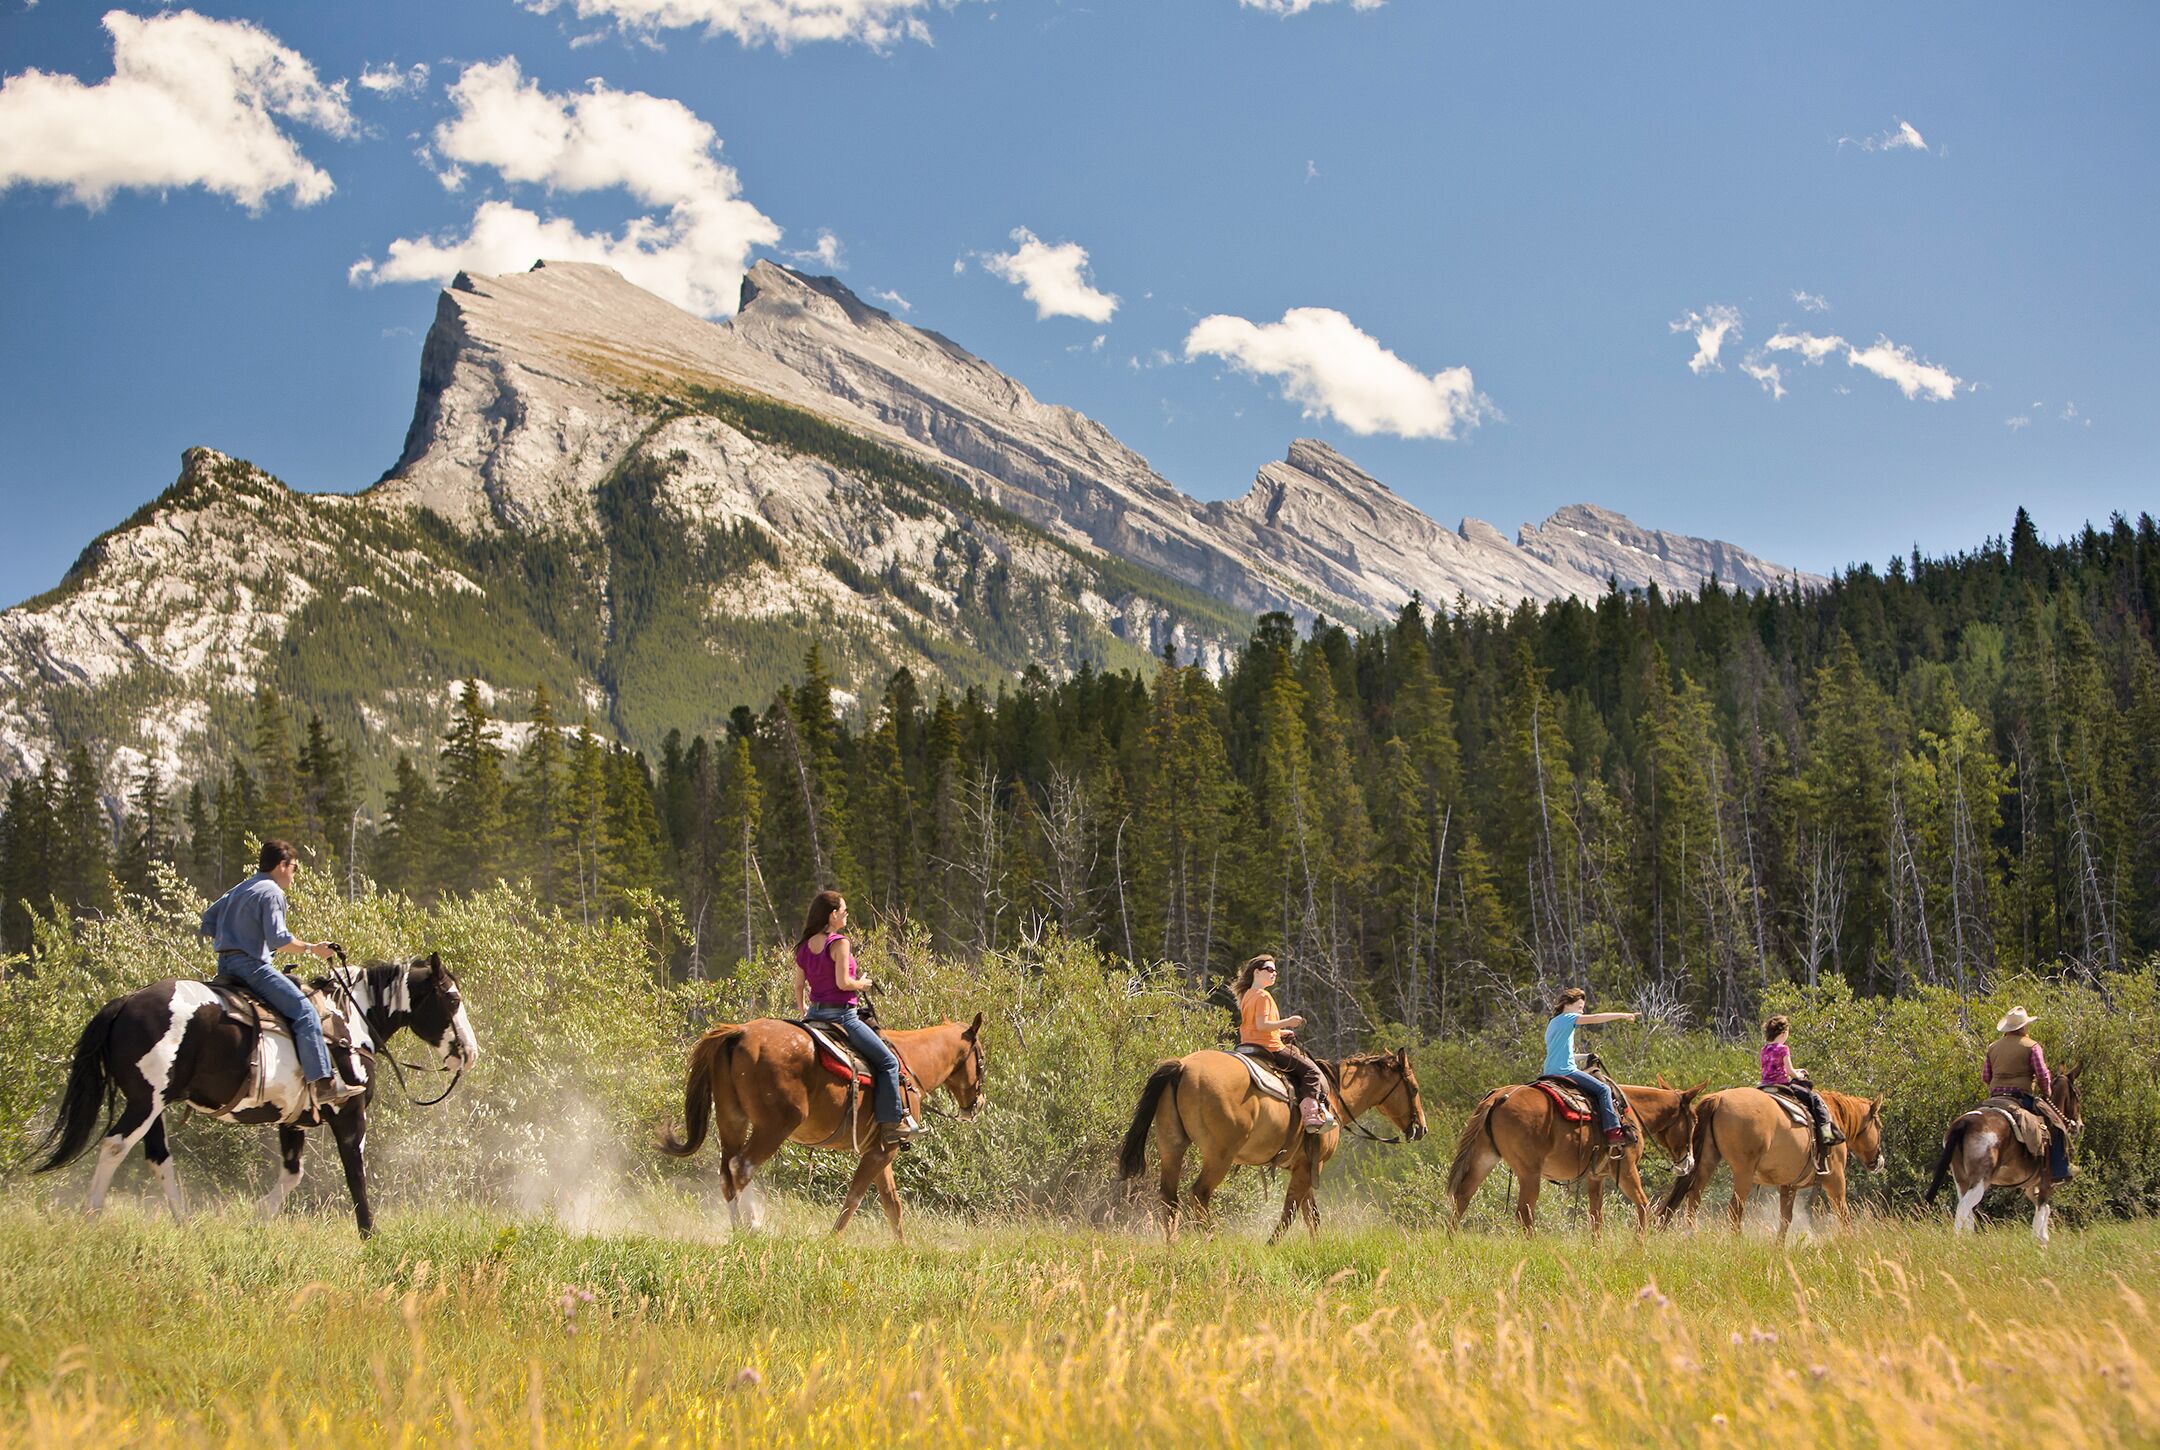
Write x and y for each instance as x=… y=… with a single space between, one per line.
x=1928 y=774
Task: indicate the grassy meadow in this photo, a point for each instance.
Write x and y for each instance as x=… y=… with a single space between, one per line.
x=475 y=1329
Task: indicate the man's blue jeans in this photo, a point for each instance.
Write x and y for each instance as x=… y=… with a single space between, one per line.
x=884 y=1062
x=1600 y=1098
x=290 y=1003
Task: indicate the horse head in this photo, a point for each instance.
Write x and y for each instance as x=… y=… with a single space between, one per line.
x=423 y=995
x=966 y=1081
x=1865 y=1142
x=1676 y=1133
x=1412 y=1119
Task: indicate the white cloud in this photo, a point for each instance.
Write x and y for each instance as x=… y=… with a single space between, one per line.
x=1768 y=374
x=825 y=254
x=1812 y=348
x=894 y=299
x=1901 y=137
x=1054 y=278
x=1312 y=171
x=778 y=23
x=1299 y=7
x=388 y=80
x=656 y=149
x=191 y=102
x=2017 y=424
x=1710 y=327
x=1327 y=366
x=1913 y=377
x=1810 y=301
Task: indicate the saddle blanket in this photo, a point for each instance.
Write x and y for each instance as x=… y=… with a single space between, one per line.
x=1568 y=1098
x=2030 y=1127
x=1794 y=1108
x=834 y=1054
x=1265 y=1080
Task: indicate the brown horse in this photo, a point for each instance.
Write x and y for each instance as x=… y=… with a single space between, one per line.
x=761 y=1086
x=1206 y=1100
x=1981 y=1152
x=1519 y=1126
x=1747 y=1128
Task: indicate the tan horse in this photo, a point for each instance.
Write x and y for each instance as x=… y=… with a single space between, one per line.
x=1746 y=1127
x=1206 y=1100
x=761 y=1086
x=1519 y=1126
x=1981 y=1152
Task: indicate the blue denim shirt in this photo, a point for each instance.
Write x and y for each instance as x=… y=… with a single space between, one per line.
x=249 y=918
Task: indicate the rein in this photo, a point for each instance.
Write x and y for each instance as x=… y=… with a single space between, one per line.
x=341 y=974
x=1349 y=1119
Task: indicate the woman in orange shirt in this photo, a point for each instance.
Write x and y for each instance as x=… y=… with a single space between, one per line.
x=1265 y=1032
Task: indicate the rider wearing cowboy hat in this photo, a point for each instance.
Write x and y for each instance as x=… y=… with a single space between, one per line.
x=2014 y=1067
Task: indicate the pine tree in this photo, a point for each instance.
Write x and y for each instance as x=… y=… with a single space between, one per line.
x=534 y=804
x=146 y=835
x=410 y=850
x=586 y=823
x=276 y=769
x=328 y=802
x=470 y=819
x=82 y=838
x=740 y=882
x=26 y=857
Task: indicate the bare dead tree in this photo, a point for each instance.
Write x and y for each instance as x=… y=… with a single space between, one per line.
x=1824 y=916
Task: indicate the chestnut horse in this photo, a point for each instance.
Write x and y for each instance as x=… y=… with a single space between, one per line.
x=761 y=1086
x=1981 y=1151
x=1207 y=1100
x=1747 y=1128
x=1518 y=1125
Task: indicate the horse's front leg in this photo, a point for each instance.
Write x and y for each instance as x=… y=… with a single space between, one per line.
x=2042 y=1212
x=867 y=1168
x=348 y=1125
x=292 y=1142
x=889 y=1195
x=1785 y=1198
x=1595 y=1192
x=1629 y=1175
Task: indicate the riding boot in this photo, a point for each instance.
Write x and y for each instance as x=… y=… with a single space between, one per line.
x=899 y=1135
x=1317 y=1118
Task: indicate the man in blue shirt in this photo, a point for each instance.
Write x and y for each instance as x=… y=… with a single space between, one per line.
x=247 y=924
x=1560 y=1056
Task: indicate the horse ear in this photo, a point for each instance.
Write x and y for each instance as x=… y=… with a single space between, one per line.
x=434 y=959
x=1402 y=1056
x=1661 y=1081
x=973 y=1028
x=1874 y=1107
x=1691 y=1092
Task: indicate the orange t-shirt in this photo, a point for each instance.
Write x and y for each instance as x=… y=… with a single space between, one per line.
x=1258 y=1007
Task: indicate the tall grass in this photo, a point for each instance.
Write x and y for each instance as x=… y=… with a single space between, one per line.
x=464 y=1329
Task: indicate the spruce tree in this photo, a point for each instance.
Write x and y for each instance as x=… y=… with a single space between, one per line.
x=470 y=829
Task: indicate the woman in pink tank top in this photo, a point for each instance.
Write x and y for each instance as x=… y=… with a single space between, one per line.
x=826 y=990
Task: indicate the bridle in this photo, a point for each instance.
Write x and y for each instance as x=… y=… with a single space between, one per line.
x=341 y=973
x=1349 y=1119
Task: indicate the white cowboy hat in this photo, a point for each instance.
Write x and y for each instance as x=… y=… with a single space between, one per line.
x=2018 y=1020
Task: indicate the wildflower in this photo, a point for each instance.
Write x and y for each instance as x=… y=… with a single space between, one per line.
x=1820 y=1371
x=747 y=1378
x=1763 y=1336
x=1737 y=1341
x=1718 y=1420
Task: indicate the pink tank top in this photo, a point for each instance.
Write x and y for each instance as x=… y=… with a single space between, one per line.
x=818 y=970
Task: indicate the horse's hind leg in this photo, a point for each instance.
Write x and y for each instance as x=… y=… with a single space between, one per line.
x=1170 y=1145
x=2042 y=1212
x=1527 y=1186
x=168 y=1172
x=292 y=1142
x=135 y=1121
x=1785 y=1197
x=1742 y=1185
x=1595 y=1192
x=1482 y=1162
x=1213 y=1170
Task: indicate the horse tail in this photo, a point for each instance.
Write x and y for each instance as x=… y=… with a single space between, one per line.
x=1480 y=1125
x=698 y=1091
x=76 y=1123
x=1132 y=1157
x=1951 y=1140
x=1704 y=1151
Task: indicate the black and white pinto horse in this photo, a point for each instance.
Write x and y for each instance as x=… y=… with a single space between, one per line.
x=172 y=1042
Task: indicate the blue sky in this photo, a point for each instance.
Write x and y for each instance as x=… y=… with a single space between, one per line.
x=1475 y=247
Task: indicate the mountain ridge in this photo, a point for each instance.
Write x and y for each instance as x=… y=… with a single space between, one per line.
x=654 y=515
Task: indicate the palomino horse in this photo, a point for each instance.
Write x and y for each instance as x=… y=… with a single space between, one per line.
x=172 y=1043
x=1747 y=1128
x=1981 y=1151
x=761 y=1085
x=1519 y=1126
x=1207 y=1100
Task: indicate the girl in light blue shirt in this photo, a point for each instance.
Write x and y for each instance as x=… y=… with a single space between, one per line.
x=1560 y=1058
